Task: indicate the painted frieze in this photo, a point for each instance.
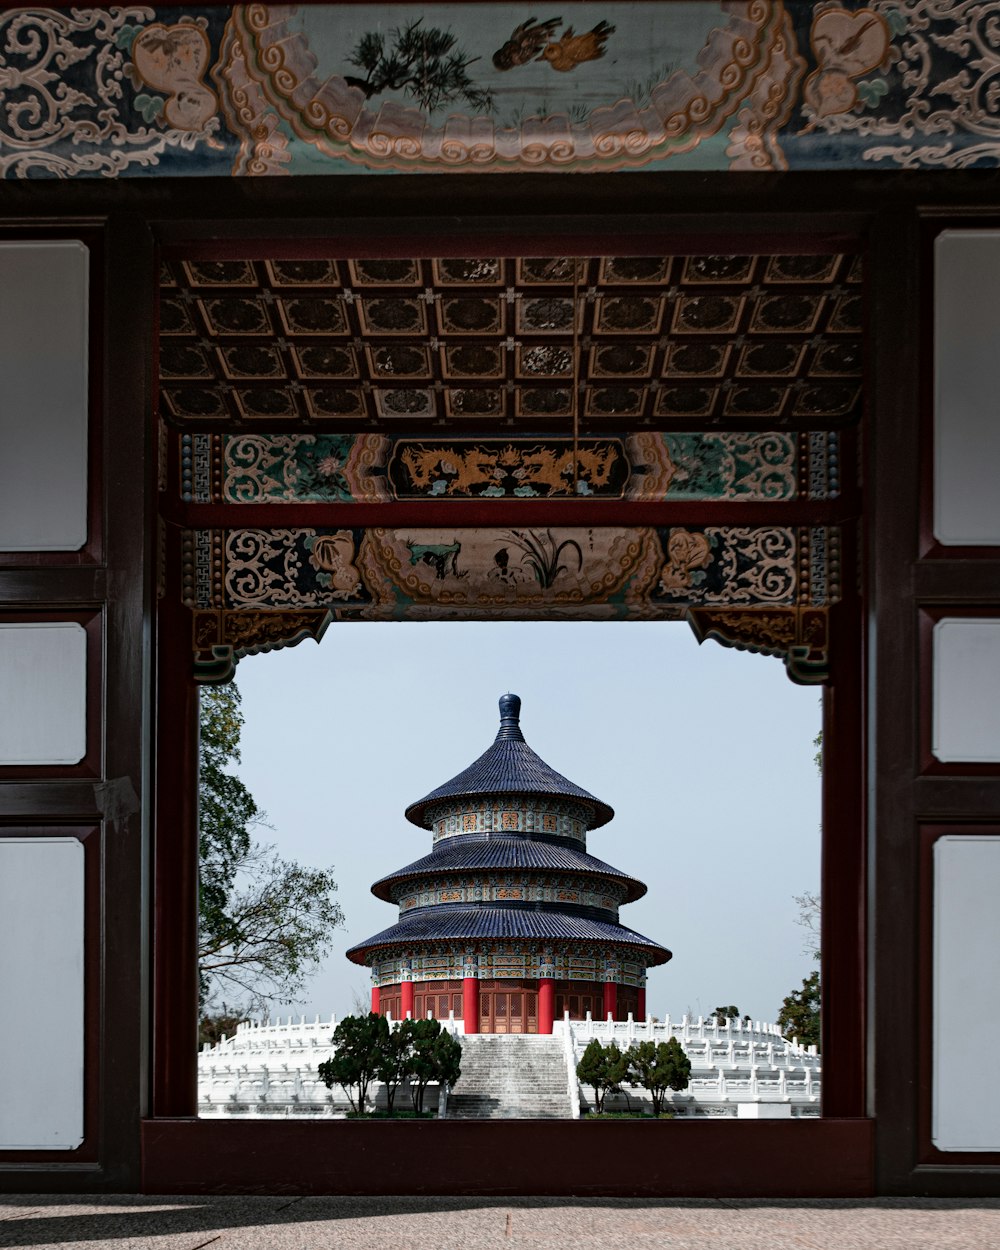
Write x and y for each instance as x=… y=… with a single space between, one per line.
x=553 y=818
x=275 y=90
x=579 y=892
x=570 y=962
x=374 y=468
x=594 y=573
x=764 y=588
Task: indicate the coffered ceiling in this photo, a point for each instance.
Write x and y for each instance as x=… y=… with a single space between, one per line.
x=487 y=343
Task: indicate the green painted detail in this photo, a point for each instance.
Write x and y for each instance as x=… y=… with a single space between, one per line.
x=732 y=466
x=300 y=468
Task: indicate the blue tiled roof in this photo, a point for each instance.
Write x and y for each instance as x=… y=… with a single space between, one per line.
x=510 y=767
x=475 y=851
x=443 y=924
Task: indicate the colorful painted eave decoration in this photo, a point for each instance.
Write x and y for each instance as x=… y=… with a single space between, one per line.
x=375 y=468
x=763 y=588
x=277 y=90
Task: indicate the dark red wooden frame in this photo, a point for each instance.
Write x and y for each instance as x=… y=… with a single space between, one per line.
x=90 y=836
x=92 y=762
x=898 y=213
x=927 y=1152
x=928 y=617
x=90 y=234
x=175 y=993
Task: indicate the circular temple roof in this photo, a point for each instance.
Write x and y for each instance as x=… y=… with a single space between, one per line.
x=485 y=922
x=509 y=767
x=476 y=851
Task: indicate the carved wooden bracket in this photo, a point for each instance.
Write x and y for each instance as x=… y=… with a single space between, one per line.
x=799 y=636
x=220 y=638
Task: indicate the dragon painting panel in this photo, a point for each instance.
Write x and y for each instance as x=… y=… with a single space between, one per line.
x=373 y=468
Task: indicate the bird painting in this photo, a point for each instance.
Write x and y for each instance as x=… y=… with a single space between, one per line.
x=535 y=41
x=526 y=43
x=571 y=50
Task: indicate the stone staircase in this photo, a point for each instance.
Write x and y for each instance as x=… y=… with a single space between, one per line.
x=511 y=1077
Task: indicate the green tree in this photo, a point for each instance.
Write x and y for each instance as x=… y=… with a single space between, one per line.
x=265 y=923
x=395 y=1056
x=800 y=1012
x=434 y=1056
x=368 y=1050
x=809 y=920
x=659 y=1066
x=360 y=1056
x=731 y=1012
x=222 y=1023
x=226 y=809
x=604 y=1069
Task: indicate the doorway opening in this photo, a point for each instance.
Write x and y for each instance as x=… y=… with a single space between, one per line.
x=706 y=755
x=694 y=414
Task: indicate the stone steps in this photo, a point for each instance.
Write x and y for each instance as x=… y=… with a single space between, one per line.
x=511 y=1077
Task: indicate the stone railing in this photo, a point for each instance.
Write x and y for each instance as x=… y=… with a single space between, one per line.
x=738 y=1068
x=270 y=1068
x=687 y=1030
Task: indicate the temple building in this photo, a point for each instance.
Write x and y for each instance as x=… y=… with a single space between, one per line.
x=509 y=923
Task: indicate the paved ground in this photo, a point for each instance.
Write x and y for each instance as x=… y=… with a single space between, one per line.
x=264 y=1223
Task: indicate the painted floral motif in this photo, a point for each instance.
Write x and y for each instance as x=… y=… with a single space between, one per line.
x=927 y=102
x=172 y=60
x=97 y=92
x=847 y=46
x=731 y=565
x=732 y=466
x=688 y=555
x=314 y=468
x=332 y=555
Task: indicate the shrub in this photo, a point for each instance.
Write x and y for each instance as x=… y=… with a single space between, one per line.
x=432 y=1055
x=360 y=1054
x=659 y=1066
x=604 y=1069
x=368 y=1050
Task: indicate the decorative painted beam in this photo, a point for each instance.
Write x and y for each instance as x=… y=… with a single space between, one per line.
x=799 y=636
x=221 y=638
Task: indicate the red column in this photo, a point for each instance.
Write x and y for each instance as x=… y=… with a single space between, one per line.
x=375 y=999
x=611 y=1000
x=546 y=1003
x=470 y=1004
x=406 y=999
x=641 y=1006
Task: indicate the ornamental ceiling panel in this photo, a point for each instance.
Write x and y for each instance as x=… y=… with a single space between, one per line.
x=334 y=384
x=554 y=346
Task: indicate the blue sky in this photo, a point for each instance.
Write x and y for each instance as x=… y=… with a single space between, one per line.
x=706 y=755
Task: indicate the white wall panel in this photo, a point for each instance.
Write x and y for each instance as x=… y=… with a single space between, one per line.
x=967 y=387
x=43 y=693
x=41 y=993
x=966 y=1093
x=43 y=400
x=965 y=720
